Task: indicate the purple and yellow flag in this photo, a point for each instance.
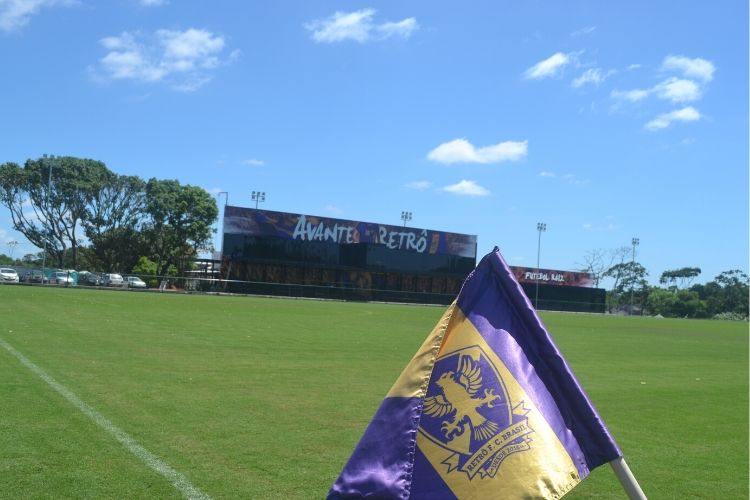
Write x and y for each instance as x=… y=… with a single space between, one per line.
x=487 y=408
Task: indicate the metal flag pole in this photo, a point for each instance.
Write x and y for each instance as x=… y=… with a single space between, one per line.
x=627 y=479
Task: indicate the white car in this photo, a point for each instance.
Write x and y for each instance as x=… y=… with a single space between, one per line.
x=135 y=282
x=8 y=275
x=62 y=278
x=112 y=279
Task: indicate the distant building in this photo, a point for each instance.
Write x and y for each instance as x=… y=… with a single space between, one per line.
x=280 y=253
x=561 y=290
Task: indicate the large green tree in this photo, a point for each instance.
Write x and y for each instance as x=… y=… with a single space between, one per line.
x=679 y=278
x=629 y=281
x=180 y=221
x=113 y=221
x=47 y=199
x=734 y=284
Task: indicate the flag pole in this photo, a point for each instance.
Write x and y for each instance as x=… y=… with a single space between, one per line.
x=627 y=479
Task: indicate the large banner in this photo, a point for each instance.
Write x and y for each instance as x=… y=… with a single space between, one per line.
x=552 y=277
x=239 y=220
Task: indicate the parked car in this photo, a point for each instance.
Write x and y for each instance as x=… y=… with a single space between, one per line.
x=112 y=279
x=135 y=282
x=35 y=276
x=8 y=275
x=89 y=278
x=62 y=278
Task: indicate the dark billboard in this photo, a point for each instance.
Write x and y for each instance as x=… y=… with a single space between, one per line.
x=299 y=227
x=552 y=277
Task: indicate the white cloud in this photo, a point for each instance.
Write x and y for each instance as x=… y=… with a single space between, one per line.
x=694 y=68
x=191 y=46
x=631 y=67
x=402 y=28
x=552 y=66
x=418 y=185
x=687 y=114
x=253 y=162
x=594 y=76
x=634 y=95
x=546 y=174
x=182 y=59
x=17 y=13
x=584 y=31
x=466 y=188
x=675 y=90
x=215 y=191
x=358 y=26
x=462 y=151
x=678 y=90
x=153 y=3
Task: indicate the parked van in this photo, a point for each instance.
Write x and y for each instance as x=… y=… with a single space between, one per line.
x=112 y=279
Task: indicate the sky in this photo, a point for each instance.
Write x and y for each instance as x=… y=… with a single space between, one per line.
x=606 y=121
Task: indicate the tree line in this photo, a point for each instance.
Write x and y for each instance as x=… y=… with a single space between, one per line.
x=726 y=296
x=86 y=216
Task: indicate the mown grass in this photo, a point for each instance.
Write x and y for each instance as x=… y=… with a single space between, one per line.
x=266 y=398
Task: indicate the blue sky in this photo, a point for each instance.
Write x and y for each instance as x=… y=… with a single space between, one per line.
x=604 y=120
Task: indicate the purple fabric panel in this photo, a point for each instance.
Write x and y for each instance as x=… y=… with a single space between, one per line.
x=495 y=303
x=427 y=483
x=382 y=463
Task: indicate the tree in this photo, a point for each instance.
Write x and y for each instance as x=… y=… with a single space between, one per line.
x=47 y=200
x=180 y=220
x=32 y=259
x=680 y=303
x=662 y=302
x=113 y=218
x=734 y=285
x=629 y=277
x=596 y=262
x=679 y=278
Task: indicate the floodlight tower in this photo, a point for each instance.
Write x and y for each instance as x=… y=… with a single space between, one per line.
x=226 y=202
x=406 y=216
x=12 y=245
x=541 y=227
x=258 y=197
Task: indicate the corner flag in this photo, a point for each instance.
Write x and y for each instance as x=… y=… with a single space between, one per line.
x=487 y=408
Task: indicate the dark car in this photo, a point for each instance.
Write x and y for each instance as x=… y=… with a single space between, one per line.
x=89 y=278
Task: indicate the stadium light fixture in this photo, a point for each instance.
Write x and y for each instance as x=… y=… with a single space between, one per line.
x=12 y=245
x=221 y=235
x=258 y=197
x=406 y=216
x=540 y=227
x=635 y=242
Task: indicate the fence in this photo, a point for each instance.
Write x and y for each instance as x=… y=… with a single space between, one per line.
x=195 y=284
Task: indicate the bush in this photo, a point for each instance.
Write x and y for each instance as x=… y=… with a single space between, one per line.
x=730 y=316
x=146 y=269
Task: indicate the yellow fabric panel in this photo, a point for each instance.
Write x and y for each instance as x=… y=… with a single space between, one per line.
x=412 y=383
x=538 y=467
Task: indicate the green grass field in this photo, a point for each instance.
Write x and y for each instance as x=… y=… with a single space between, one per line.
x=266 y=398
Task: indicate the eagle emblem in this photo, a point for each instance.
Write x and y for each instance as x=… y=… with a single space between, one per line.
x=467 y=411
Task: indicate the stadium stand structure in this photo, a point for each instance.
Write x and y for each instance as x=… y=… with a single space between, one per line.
x=279 y=253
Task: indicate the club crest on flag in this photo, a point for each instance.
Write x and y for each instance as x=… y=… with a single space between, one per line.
x=467 y=410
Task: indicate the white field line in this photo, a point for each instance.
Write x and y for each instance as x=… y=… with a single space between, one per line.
x=177 y=479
